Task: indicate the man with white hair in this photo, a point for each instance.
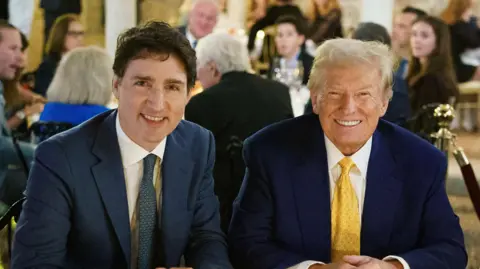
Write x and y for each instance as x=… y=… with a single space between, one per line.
x=201 y=20
x=234 y=105
x=322 y=189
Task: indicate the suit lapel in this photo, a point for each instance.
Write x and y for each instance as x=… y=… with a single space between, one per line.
x=110 y=180
x=381 y=197
x=177 y=169
x=312 y=194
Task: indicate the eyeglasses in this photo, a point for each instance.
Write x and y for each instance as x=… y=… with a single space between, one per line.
x=76 y=33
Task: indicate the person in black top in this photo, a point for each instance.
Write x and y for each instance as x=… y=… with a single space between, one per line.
x=431 y=77
x=67 y=33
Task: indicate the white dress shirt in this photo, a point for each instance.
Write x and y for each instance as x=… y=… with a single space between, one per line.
x=132 y=160
x=357 y=177
x=190 y=38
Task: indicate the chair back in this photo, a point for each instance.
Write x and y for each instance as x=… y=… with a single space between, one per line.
x=42 y=130
x=424 y=123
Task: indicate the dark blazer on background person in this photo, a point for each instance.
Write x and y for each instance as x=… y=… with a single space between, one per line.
x=232 y=110
x=282 y=214
x=76 y=212
x=62 y=6
x=307 y=62
x=182 y=29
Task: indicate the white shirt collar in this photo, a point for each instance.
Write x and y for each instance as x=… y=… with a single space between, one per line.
x=190 y=36
x=133 y=153
x=360 y=158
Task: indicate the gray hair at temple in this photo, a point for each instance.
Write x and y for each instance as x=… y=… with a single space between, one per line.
x=226 y=51
x=343 y=52
x=84 y=76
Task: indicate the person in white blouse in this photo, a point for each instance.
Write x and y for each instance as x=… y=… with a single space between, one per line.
x=342 y=188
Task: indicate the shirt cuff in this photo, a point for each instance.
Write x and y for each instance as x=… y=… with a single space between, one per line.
x=400 y=259
x=305 y=265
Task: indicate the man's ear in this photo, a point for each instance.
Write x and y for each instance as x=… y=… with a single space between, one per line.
x=386 y=101
x=214 y=68
x=115 y=84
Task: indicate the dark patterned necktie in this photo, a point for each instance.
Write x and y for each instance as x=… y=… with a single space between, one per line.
x=147 y=214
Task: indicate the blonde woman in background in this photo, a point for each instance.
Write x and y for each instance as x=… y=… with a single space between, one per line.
x=81 y=87
x=325 y=18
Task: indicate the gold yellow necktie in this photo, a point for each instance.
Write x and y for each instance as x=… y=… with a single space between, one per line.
x=345 y=216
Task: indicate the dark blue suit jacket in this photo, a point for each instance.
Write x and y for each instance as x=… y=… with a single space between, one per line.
x=282 y=214
x=76 y=212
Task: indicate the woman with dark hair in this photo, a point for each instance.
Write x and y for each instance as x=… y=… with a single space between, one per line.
x=431 y=77
x=67 y=33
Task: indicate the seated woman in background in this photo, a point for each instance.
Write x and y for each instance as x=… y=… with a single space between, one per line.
x=67 y=33
x=325 y=17
x=81 y=87
x=431 y=77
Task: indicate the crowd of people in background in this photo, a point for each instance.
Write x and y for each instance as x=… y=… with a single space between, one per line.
x=239 y=97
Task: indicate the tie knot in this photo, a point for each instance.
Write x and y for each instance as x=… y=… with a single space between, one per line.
x=149 y=161
x=346 y=163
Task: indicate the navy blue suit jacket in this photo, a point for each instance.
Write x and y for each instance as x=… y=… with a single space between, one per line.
x=76 y=212
x=282 y=214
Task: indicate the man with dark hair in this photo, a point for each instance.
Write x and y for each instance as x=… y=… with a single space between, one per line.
x=414 y=10
x=132 y=187
x=289 y=41
x=401 y=36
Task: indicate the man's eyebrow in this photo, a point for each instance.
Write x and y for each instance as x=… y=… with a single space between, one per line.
x=174 y=81
x=140 y=77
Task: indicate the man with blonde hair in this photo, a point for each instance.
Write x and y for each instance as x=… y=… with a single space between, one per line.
x=322 y=189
